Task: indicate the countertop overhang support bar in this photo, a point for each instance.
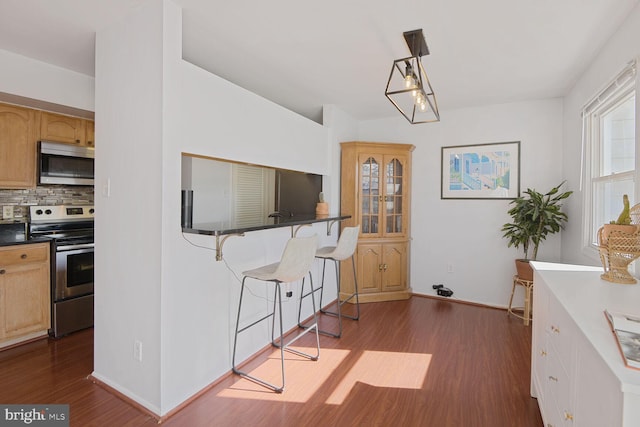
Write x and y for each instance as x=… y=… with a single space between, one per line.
x=220 y=243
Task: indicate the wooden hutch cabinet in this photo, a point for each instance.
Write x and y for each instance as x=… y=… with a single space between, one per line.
x=375 y=191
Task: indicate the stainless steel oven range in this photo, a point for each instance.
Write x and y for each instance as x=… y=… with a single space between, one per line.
x=71 y=231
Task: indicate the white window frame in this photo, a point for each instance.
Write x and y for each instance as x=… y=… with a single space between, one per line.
x=611 y=96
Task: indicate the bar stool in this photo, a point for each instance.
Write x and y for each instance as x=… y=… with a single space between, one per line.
x=294 y=265
x=528 y=290
x=345 y=249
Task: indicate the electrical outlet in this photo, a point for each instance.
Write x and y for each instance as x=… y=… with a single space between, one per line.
x=7 y=212
x=137 y=350
x=288 y=293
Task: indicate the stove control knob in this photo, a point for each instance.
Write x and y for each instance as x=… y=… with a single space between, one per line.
x=48 y=211
x=91 y=210
x=39 y=212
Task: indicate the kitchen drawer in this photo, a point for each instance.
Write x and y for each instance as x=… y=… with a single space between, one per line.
x=23 y=254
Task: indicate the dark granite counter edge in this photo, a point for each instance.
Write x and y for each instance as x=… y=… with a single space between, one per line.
x=22 y=241
x=285 y=223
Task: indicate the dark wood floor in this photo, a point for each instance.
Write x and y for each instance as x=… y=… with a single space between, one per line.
x=421 y=362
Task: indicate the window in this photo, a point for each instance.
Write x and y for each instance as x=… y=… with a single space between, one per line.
x=609 y=126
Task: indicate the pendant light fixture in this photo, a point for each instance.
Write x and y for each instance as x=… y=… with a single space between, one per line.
x=408 y=87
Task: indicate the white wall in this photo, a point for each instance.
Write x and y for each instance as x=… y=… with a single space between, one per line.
x=342 y=127
x=38 y=80
x=161 y=287
x=128 y=234
x=466 y=233
x=621 y=48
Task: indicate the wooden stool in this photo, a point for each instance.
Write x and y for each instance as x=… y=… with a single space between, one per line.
x=528 y=293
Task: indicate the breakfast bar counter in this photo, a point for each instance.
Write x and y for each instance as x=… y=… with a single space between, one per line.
x=224 y=229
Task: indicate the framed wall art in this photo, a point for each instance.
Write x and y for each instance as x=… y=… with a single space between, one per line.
x=482 y=171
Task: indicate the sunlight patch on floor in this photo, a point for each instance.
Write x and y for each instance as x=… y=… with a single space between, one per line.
x=384 y=369
x=299 y=374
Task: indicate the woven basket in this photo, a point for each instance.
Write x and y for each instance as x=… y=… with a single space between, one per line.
x=619 y=251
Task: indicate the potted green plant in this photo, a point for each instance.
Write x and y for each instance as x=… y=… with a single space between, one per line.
x=534 y=216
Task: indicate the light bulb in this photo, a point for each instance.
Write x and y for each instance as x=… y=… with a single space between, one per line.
x=409 y=81
x=409 y=77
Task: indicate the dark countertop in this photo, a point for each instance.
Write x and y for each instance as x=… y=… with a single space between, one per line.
x=15 y=234
x=228 y=227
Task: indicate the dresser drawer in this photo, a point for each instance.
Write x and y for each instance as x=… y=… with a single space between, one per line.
x=560 y=389
x=23 y=254
x=561 y=334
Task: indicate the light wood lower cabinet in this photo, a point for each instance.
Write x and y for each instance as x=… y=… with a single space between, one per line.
x=382 y=268
x=25 y=296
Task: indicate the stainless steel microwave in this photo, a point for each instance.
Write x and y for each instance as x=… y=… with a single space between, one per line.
x=65 y=164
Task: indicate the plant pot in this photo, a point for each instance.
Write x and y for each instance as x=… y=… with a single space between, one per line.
x=603 y=236
x=524 y=269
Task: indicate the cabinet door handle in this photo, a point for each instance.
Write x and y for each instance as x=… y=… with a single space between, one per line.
x=379 y=198
x=23 y=256
x=384 y=266
x=553 y=378
x=2 y=271
x=568 y=416
x=555 y=329
x=379 y=267
x=543 y=353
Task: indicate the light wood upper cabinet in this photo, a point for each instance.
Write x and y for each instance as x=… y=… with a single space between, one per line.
x=25 y=296
x=375 y=191
x=18 y=145
x=60 y=128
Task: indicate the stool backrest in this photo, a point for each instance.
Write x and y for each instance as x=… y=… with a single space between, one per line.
x=347 y=243
x=296 y=259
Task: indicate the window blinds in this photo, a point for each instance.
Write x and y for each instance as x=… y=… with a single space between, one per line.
x=625 y=78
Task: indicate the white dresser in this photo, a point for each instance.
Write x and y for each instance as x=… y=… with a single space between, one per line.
x=577 y=373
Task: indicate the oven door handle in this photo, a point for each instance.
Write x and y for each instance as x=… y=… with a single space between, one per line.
x=74 y=247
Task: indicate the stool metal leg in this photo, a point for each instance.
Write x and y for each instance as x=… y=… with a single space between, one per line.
x=338 y=313
x=238 y=330
x=308 y=328
x=235 y=339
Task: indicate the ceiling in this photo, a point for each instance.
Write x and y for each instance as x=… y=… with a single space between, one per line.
x=302 y=55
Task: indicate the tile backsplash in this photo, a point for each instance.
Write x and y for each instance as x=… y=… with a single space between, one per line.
x=45 y=195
